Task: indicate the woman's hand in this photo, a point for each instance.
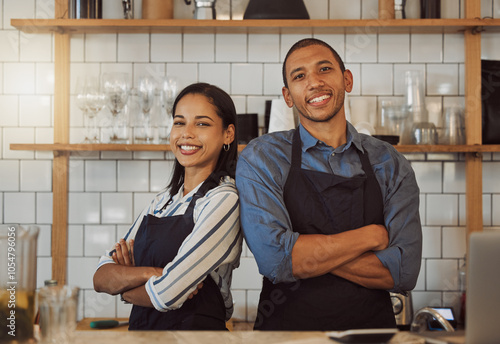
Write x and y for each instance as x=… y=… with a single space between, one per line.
x=123 y=255
x=198 y=287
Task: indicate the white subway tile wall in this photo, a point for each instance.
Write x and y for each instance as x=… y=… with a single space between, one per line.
x=107 y=190
x=44 y=75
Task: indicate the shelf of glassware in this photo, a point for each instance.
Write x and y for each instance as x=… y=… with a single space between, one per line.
x=81 y=147
x=162 y=147
x=79 y=26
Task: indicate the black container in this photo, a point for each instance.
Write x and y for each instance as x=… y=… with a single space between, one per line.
x=267 y=116
x=276 y=9
x=430 y=8
x=95 y=9
x=490 y=101
x=248 y=127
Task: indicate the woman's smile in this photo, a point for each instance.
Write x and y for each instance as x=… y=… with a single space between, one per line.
x=189 y=149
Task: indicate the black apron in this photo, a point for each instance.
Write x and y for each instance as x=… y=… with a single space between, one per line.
x=156 y=244
x=323 y=203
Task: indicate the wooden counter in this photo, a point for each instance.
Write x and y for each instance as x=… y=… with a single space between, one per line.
x=84 y=325
x=203 y=337
x=239 y=332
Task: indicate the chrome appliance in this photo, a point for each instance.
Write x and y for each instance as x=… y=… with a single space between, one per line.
x=403 y=310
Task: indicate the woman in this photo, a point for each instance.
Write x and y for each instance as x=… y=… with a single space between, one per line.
x=175 y=263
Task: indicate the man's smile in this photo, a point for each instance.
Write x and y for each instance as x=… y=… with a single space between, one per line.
x=319 y=99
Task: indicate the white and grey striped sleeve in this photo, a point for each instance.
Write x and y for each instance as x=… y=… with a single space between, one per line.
x=214 y=241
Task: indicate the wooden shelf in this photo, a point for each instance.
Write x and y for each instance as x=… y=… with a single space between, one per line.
x=448 y=148
x=79 y=147
x=366 y=26
x=162 y=148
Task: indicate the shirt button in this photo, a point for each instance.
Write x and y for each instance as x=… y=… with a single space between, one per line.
x=333 y=154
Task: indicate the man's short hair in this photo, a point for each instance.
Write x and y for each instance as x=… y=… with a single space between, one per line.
x=305 y=43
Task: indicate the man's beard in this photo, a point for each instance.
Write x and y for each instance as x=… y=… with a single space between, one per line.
x=319 y=120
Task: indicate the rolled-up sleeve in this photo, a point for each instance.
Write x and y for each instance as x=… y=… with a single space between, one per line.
x=264 y=218
x=401 y=212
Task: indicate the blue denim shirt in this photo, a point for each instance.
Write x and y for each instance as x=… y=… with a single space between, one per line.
x=261 y=174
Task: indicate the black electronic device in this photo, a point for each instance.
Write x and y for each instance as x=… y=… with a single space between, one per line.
x=447 y=313
x=248 y=127
x=376 y=335
x=276 y=9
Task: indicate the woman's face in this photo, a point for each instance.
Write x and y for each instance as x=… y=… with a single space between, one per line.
x=198 y=135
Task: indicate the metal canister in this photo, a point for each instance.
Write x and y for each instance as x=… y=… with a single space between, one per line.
x=85 y=9
x=402 y=306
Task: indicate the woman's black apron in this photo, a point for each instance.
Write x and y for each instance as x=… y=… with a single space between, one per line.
x=323 y=203
x=156 y=244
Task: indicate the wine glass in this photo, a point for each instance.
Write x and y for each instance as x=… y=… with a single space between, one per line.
x=116 y=90
x=96 y=100
x=169 y=92
x=146 y=92
x=82 y=84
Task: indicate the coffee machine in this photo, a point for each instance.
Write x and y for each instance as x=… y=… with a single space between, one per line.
x=203 y=9
x=403 y=310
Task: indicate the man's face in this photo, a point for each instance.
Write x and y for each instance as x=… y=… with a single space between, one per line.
x=316 y=85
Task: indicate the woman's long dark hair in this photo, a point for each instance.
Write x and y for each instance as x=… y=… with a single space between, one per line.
x=224 y=107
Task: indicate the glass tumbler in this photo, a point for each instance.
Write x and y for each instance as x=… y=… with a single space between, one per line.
x=453 y=127
x=58 y=314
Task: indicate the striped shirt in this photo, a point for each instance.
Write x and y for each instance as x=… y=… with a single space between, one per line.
x=213 y=247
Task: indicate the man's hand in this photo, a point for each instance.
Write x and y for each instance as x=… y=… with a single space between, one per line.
x=378 y=235
x=317 y=254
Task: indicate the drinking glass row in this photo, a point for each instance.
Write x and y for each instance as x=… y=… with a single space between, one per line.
x=139 y=114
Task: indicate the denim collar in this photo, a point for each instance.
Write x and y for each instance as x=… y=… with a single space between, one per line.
x=309 y=141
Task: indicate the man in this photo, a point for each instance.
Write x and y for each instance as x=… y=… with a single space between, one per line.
x=330 y=215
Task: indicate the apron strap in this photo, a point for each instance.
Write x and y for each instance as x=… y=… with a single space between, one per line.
x=373 y=194
x=296 y=150
x=208 y=184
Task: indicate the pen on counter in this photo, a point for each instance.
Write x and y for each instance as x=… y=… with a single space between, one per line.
x=104 y=324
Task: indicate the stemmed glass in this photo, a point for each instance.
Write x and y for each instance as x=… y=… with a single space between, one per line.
x=95 y=102
x=170 y=89
x=116 y=89
x=82 y=84
x=146 y=92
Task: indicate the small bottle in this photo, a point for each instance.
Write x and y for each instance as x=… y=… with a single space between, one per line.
x=462 y=280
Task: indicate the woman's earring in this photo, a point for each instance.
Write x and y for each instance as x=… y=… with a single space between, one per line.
x=226 y=147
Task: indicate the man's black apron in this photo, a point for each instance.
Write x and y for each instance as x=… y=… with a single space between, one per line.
x=156 y=244
x=322 y=203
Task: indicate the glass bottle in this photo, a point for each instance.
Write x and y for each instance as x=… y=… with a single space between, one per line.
x=18 y=245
